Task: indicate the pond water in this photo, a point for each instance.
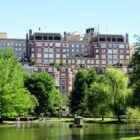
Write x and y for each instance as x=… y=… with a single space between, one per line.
x=61 y=131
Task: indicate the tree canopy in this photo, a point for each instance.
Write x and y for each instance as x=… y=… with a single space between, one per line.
x=42 y=86
x=14 y=98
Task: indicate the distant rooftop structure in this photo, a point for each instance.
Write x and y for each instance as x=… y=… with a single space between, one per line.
x=3 y=35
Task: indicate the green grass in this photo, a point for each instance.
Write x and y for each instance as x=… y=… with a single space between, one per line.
x=131 y=138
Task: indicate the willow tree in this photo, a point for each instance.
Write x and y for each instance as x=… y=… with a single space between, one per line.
x=97 y=100
x=14 y=98
x=117 y=83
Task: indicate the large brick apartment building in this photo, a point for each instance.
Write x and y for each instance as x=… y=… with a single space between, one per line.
x=71 y=54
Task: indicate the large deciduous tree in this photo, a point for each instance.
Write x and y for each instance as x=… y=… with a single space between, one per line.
x=42 y=86
x=78 y=94
x=117 y=83
x=14 y=98
x=97 y=100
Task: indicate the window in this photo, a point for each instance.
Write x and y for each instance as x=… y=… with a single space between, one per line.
x=127 y=51
x=92 y=61
x=103 y=61
x=73 y=61
x=19 y=49
x=109 y=51
x=63 y=75
x=110 y=45
x=109 y=56
x=57 y=55
x=51 y=61
x=121 y=51
x=58 y=60
x=79 y=61
x=83 y=61
x=103 y=51
x=39 y=49
x=39 y=55
x=114 y=51
x=38 y=60
x=32 y=55
x=97 y=61
x=45 y=50
x=64 y=56
x=57 y=50
x=64 y=50
x=103 y=45
x=50 y=55
x=46 y=44
x=50 y=49
x=114 y=45
x=110 y=62
x=62 y=69
x=45 y=55
x=127 y=57
x=64 y=60
x=121 y=45
x=83 y=46
x=63 y=81
x=113 y=39
x=97 y=56
x=39 y=44
x=63 y=88
x=50 y=44
x=97 y=51
x=72 y=45
x=103 y=56
x=114 y=61
x=57 y=44
x=88 y=61
x=114 y=56
x=35 y=69
x=45 y=61
x=121 y=57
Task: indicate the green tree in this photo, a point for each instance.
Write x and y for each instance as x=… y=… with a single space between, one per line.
x=91 y=76
x=14 y=98
x=42 y=86
x=78 y=94
x=97 y=100
x=118 y=92
x=133 y=116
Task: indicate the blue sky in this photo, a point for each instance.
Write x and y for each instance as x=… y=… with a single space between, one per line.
x=120 y=16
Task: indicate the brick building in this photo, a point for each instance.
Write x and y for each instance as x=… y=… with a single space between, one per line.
x=93 y=51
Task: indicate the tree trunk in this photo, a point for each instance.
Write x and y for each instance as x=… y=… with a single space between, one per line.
x=119 y=119
x=102 y=118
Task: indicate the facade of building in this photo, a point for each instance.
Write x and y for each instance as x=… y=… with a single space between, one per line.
x=71 y=55
x=109 y=49
x=46 y=48
x=17 y=45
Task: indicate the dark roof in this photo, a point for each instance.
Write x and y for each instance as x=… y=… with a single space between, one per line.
x=115 y=35
x=41 y=33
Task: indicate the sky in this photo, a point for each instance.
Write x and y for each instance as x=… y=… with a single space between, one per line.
x=116 y=16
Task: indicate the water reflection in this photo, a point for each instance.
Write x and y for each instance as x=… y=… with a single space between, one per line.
x=61 y=131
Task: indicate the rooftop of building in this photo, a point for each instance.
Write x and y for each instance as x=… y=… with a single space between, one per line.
x=114 y=35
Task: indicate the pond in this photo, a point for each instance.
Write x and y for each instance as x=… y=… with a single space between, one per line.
x=61 y=131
